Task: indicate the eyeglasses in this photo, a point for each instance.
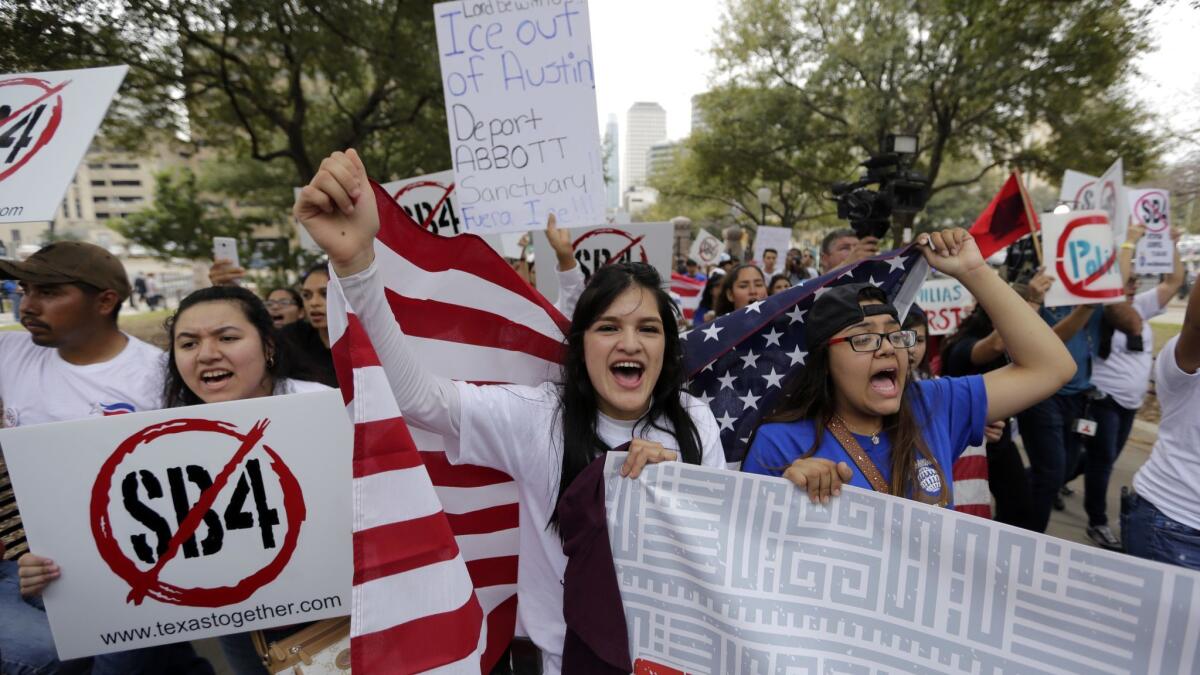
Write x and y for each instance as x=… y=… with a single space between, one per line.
x=869 y=342
x=276 y=304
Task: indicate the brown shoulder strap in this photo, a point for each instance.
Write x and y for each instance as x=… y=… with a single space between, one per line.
x=865 y=464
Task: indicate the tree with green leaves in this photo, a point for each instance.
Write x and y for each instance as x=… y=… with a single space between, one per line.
x=812 y=87
x=182 y=221
x=279 y=82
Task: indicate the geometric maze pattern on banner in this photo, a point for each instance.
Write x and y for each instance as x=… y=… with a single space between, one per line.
x=724 y=572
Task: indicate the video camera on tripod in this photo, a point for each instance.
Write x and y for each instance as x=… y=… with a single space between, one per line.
x=902 y=191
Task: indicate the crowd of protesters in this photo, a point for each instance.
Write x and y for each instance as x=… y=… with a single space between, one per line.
x=875 y=406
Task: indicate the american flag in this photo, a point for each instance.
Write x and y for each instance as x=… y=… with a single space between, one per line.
x=435 y=545
x=738 y=362
x=689 y=291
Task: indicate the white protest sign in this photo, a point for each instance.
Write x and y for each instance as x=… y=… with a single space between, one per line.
x=1108 y=193
x=706 y=249
x=188 y=523
x=47 y=121
x=1155 y=251
x=521 y=111
x=430 y=200
x=777 y=238
x=597 y=246
x=1080 y=245
x=946 y=303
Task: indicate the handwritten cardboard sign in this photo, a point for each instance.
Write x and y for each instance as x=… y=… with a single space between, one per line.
x=946 y=302
x=777 y=238
x=1079 y=247
x=47 y=121
x=520 y=97
x=188 y=523
x=1155 y=251
x=598 y=246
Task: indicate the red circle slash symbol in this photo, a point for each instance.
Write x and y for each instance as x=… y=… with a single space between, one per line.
x=616 y=257
x=30 y=98
x=1079 y=287
x=147 y=583
x=1151 y=211
x=437 y=208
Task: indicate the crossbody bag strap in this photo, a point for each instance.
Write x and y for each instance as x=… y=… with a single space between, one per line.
x=865 y=464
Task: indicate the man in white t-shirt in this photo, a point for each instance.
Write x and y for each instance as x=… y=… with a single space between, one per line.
x=1121 y=373
x=1162 y=520
x=72 y=362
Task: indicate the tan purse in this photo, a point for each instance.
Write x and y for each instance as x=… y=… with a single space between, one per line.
x=320 y=649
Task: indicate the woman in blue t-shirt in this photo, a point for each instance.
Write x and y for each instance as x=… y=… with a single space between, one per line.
x=854 y=415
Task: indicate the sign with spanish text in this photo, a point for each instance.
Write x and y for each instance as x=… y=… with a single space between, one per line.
x=520 y=95
x=1155 y=250
x=188 y=523
x=1079 y=249
x=598 y=246
x=47 y=121
x=946 y=303
x=727 y=572
x=778 y=239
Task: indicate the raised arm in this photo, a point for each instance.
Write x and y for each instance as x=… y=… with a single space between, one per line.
x=338 y=208
x=1187 y=349
x=1170 y=285
x=1041 y=364
x=992 y=347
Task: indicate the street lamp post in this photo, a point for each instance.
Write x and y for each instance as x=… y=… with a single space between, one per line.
x=764 y=197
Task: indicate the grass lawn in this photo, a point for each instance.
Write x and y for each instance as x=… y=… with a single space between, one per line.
x=147 y=326
x=1164 y=332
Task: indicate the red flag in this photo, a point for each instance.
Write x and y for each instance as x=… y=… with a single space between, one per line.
x=1008 y=218
x=435 y=545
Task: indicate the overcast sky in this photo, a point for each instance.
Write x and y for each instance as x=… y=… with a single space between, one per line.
x=658 y=50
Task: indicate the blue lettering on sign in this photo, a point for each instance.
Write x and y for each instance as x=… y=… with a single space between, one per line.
x=1086 y=258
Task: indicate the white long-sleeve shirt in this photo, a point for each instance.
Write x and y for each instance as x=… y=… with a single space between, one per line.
x=515 y=429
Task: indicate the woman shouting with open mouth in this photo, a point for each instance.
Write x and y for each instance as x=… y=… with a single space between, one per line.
x=855 y=415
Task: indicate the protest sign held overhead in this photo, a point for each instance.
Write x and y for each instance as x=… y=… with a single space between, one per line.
x=707 y=248
x=946 y=302
x=182 y=524
x=1155 y=251
x=1107 y=193
x=598 y=246
x=520 y=98
x=47 y=121
x=777 y=238
x=1080 y=254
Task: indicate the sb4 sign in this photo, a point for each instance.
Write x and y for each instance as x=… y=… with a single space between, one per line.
x=145 y=500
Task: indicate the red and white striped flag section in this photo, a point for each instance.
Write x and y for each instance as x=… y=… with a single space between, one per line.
x=971 y=492
x=689 y=290
x=435 y=545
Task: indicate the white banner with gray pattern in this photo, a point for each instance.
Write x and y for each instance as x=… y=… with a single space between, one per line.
x=724 y=572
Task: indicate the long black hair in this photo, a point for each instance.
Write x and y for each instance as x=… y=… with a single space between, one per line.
x=724 y=302
x=579 y=406
x=810 y=395
x=280 y=361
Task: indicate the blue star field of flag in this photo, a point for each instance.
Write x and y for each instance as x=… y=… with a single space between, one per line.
x=738 y=363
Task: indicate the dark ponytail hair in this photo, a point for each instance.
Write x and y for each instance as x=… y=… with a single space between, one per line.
x=579 y=405
x=809 y=395
x=280 y=364
x=724 y=304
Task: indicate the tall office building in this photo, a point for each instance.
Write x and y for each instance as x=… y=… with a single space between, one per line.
x=698 y=123
x=612 y=163
x=645 y=125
